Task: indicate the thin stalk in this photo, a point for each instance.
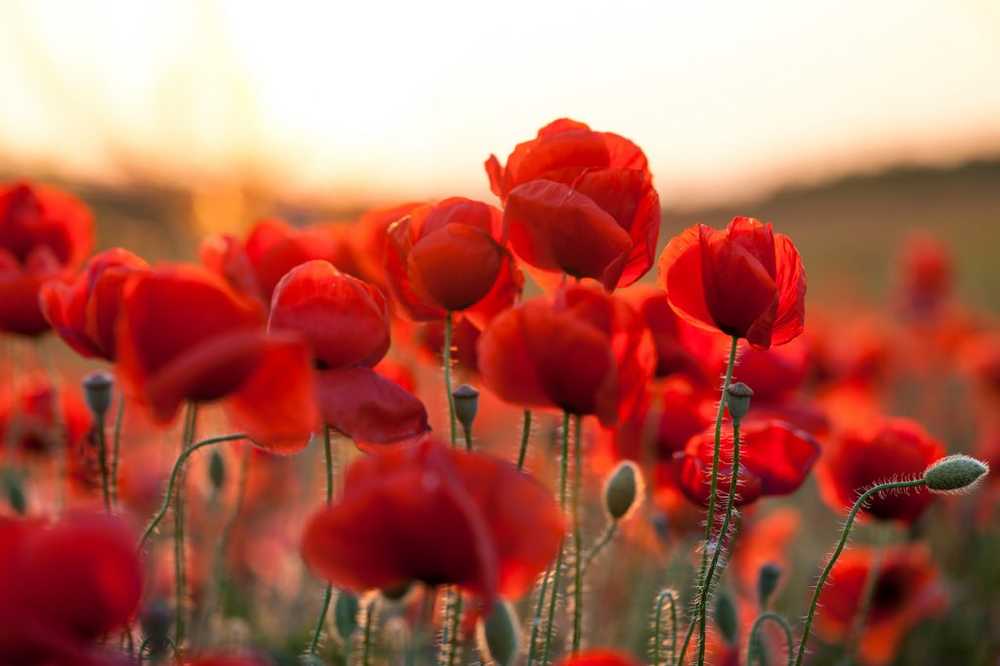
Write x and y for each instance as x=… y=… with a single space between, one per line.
x=455 y=628
x=557 y=572
x=102 y=460
x=577 y=536
x=116 y=440
x=446 y=357
x=845 y=532
x=227 y=529
x=755 y=651
x=867 y=593
x=537 y=619
x=180 y=568
x=730 y=503
x=525 y=436
x=366 y=645
x=713 y=487
x=328 y=592
x=600 y=544
x=658 y=623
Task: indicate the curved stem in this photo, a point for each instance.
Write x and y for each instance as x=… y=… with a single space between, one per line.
x=102 y=461
x=557 y=572
x=600 y=544
x=755 y=649
x=658 y=623
x=116 y=440
x=868 y=494
x=180 y=555
x=328 y=592
x=713 y=488
x=446 y=358
x=577 y=536
x=730 y=503
x=168 y=494
x=525 y=436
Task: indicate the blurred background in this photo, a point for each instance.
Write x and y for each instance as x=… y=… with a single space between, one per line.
x=845 y=123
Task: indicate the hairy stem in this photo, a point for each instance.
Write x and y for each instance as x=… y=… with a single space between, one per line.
x=600 y=544
x=755 y=650
x=102 y=461
x=116 y=441
x=658 y=658
x=557 y=572
x=525 y=436
x=328 y=591
x=577 y=535
x=446 y=358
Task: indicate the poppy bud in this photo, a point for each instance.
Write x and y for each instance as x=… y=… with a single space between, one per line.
x=14 y=489
x=466 y=405
x=217 y=470
x=621 y=489
x=156 y=620
x=345 y=614
x=954 y=474
x=97 y=388
x=725 y=618
x=738 y=400
x=499 y=635
x=767 y=582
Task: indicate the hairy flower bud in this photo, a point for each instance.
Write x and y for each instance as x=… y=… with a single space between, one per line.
x=738 y=400
x=621 y=489
x=97 y=387
x=499 y=635
x=955 y=474
x=767 y=582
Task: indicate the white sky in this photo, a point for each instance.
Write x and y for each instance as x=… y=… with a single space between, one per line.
x=366 y=100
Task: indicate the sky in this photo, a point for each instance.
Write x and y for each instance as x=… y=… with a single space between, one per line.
x=364 y=102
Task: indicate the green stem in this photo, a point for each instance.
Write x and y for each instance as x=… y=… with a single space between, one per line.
x=657 y=632
x=328 y=592
x=557 y=572
x=227 y=529
x=180 y=559
x=600 y=544
x=366 y=645
x=525 y=436
x=713 y=487
x=455 y=629
x=102 y=460
x=116 y=447
x=446 y=358
x=868 y=494
x=755 y=650
x=577 y=536
x=730 y=504
x=867 y=593
x=537 y=619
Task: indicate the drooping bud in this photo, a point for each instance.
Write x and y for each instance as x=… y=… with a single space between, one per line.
x=621 y=489
x=466 y=405
x=725 y=618
x=767 y=582
x=97 y=387
x=499 y=635
x=345 y=615
x=217 y=470
x=955 y=474
x=738 y=397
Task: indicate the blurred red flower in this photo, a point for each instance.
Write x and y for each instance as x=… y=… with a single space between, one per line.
x=907 y=591
x=40 y=419
x=227 y=660
x=45 y=234
x=439 y=516
x=583 y=352
x=599 y=657
x=925 y=275
x=345 y=321
x=63 y=586
x=580 y=202
x=775 y=459
x=681 y=349
x=450 y=257
x=859 y=458
x=84 y=313
x=745 y=281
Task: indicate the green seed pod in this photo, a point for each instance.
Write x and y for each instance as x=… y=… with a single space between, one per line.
x=738 y=400
x=621 y=489
x=955 y=474
x=15 y=493
x=767 y=582
x=466 y=405
x=345 y=614
x=97 y=387
x=499 y=635
x=725 y=618
x=217 y=470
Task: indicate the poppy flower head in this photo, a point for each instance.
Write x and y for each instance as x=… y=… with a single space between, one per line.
x=925 y=274
x=580 y=202
x=439 y=516
x=599 y=657
x=862 y=457
x=84 y=313
x=344 y=320
x=40 y=419
x=45 y=234
x=745 y=281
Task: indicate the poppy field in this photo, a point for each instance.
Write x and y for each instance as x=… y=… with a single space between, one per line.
x=553 y=427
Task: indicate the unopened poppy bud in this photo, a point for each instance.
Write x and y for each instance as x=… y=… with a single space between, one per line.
x=499 y=635
x=345 y=614
x=738 y=400
x=955 y=474
x=725 y=618
x=156 y=621
x=767 y=582
x=14 y=488
x=466 y=405
x=621 y=489
x=97 y=388
x=217 y=470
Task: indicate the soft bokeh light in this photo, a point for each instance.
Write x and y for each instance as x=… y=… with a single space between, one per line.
x=358 y=102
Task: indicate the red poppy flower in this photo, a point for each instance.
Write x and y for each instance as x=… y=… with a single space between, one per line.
x=45 y=234
x=64 y=586
x=599 y=657
x=449 y=257
x=580 y=202
x=84 y=313
x=907 y=591
x=584 y=352
x=925 y=275
x=227 y=660
x=40 y=419
x=436 y=515
x=681 y=349
x=892 y=450
x=372 y=233
x=746 y=281
x=774 y=460
x=346 y=323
